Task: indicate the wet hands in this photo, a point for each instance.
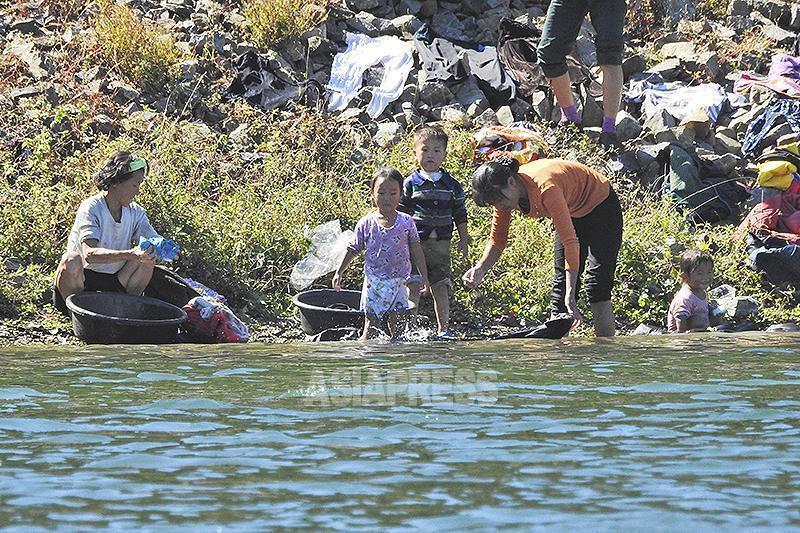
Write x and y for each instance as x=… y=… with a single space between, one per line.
x=147 y=256
x=572 y=309
x=473 y=277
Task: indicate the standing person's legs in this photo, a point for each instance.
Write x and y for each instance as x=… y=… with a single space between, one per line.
x=437 y=257
x=441 y=304
x=564 y=19
x=608 y=19
x=602 y=231
x=559 y=292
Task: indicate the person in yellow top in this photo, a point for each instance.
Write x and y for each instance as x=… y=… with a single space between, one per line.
x=588 y=221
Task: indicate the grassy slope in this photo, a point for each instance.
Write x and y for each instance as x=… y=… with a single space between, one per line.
x=241 y=223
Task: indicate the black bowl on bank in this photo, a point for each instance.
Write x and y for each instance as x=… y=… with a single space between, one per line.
x=322 y=309
x=114 y=317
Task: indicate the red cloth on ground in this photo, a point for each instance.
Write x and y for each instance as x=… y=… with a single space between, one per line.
x=777 y=216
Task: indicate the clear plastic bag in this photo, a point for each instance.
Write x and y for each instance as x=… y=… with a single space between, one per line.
x=328 y=248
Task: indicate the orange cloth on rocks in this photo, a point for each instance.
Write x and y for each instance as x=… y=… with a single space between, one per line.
x=561 y=190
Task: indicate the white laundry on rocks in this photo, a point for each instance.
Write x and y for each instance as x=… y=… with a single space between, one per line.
x=363 y=52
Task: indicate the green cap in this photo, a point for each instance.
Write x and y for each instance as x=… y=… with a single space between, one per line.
x=137 y=163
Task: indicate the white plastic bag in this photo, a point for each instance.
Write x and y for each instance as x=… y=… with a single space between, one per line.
x=328 y=248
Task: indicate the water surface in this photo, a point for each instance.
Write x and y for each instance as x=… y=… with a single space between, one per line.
x=670 y=433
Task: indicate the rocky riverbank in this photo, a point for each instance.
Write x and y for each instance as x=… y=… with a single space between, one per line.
x=79 y=78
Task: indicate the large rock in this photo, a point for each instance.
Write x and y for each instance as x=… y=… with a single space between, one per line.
x=122 y=93
x=505 y=116
x=542 y=105
x=411 y=7
x=477 y=108
x=363 y=5
x=469 y=92
x=521 y=109
x=103 y=124
x=669 y=69
x=435 y=94
x=446 y=25
x=681 y=50
x=778 y=34
x=707 y=63
x=661 y=120
x=25 y=50
x=779 y=11
x=633 y=65
x=726 y=163
x=370 y=25
x=454 y=114
x=592 y=113
x=487 y=118
x=742 y=119
x=407 y=24
x=677 y=9
x=627 y=126
x=725 y=145
x=25 y=92
x=388 y=134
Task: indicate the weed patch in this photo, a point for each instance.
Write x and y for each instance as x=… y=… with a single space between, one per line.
x=136 y=49
x=272 y=20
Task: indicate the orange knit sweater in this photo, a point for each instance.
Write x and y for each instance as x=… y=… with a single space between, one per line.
x=561 y=190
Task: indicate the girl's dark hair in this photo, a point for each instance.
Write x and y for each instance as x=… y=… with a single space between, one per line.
x=388 y=173
x=491 y=178
x=691 y=259
x=114 y=171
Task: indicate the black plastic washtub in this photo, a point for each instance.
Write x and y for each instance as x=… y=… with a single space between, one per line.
x=114 y=317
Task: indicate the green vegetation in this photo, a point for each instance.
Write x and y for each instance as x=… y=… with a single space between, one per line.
x=238 y=206
x=240 y=222
x=716 y=9
x=138 y=50
x=273 y=20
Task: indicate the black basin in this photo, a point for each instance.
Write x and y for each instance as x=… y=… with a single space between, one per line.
x=114 y=317
x=322 y=309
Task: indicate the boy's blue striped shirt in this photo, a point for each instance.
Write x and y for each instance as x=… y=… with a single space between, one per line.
x=435 y=205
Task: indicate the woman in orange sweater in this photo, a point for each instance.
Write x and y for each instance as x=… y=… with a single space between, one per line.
x=587 y=219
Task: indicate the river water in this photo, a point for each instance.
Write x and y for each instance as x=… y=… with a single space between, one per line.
x=669 y=433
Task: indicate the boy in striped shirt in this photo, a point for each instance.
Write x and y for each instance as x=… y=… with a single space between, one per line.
x=436 y=201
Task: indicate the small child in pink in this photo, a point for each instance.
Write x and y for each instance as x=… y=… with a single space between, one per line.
x=391 y=242
x=689 y=310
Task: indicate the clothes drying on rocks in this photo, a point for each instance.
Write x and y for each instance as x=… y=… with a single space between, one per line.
x=363 y=52
x=779 y=265
x=776 y=174
x=519 y=141
x=262 y=82
x=787 y=109
x=492 y=79
x=777 y=216
x=442 y=61
x=697 y=187
x=517 y=52
x=680 y=100
x=783 y=77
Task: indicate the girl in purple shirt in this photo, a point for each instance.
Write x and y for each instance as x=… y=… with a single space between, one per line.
x=391 y=241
